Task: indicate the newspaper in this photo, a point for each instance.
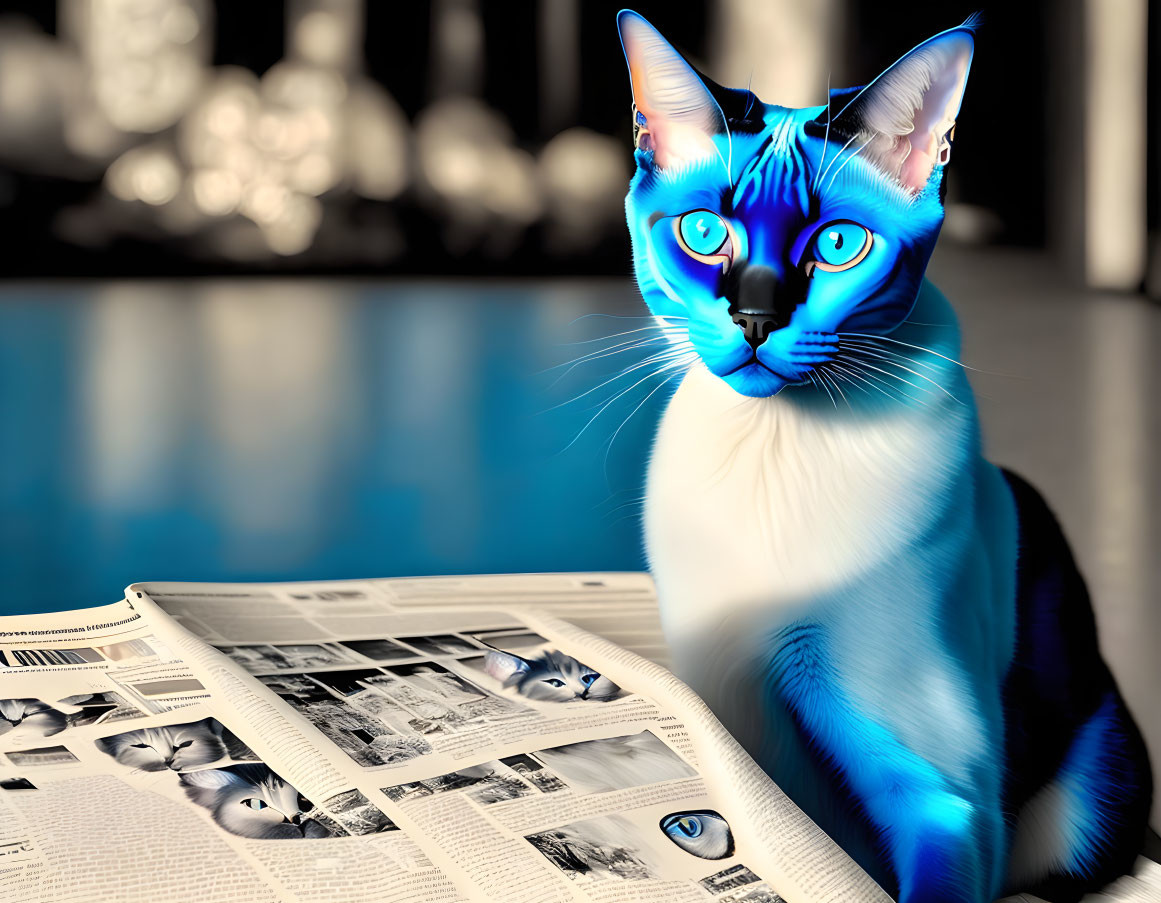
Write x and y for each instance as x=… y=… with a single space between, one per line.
x=432 y=739
x=437 y=739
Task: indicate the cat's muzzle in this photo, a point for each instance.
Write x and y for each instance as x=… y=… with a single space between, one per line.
x=761 y=302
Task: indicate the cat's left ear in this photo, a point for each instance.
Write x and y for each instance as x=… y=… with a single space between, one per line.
x=905 y=118
x=504 y=666
x=675 y=115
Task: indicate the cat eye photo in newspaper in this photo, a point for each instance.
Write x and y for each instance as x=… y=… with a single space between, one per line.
x=176 y=747
x=704 y=834
x=545 y=675
x=252 y=801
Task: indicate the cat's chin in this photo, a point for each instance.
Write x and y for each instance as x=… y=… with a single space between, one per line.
x=755 y=380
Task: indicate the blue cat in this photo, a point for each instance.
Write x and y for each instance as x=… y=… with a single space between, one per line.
x=891 y=625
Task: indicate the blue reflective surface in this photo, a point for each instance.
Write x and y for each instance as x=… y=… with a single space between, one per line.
x=280 y=430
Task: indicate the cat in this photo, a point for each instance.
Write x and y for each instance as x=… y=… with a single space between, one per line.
x=892 y=626
x=30 y=719
x=176 y=747
x=252 y=801
x=549 y=676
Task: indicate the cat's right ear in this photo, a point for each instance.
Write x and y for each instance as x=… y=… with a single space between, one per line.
x=503 y=666
x=675 y=115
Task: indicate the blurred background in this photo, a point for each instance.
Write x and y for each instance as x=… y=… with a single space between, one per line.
x=301 y=289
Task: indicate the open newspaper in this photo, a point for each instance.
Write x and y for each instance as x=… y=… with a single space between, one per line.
x=437 y=739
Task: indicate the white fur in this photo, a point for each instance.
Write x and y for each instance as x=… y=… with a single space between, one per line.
x=765 y=502
x=885 y=515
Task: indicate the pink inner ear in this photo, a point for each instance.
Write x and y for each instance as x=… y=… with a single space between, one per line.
x=680 y=113
x=675 y=143
x=934 y=121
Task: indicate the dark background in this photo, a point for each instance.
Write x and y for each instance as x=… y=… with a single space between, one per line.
x=1014 y=154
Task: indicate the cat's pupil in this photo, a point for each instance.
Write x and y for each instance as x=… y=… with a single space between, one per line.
x=837 y=238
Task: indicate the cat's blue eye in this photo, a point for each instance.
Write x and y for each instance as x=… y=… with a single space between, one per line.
x=704 y=234
x=254 y=803
x=588 y=679
x=704 y=834
x=839 y=246
x=554 y=682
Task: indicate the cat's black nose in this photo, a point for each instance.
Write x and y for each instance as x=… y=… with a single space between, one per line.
x=756 y=327
x=760 y=303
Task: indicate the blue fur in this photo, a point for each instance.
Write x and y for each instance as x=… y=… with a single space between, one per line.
x=917 y=761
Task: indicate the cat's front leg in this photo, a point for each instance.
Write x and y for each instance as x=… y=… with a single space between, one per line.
x=941 y=839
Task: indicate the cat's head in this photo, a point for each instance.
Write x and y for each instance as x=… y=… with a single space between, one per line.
x=763 y=233
x=252 y=801
x=549 y=676
x=177 y=747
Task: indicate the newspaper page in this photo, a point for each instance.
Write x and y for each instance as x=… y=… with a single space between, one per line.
x=527 y=758
x=125 y=777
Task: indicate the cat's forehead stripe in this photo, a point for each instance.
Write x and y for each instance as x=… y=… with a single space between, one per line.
x=778 y=164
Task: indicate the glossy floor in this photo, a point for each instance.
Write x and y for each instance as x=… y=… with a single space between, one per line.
x=253 y=430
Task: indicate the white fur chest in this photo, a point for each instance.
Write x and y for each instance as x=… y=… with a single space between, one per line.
x=756 y=504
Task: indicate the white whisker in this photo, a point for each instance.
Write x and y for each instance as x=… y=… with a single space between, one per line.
x=660 y=357
x=598 y=355
x=640 y=404
x=892 y=363
x=825 y=138
x=849 y=158
x=819 y=384
x=604 y=407
x=836 y=156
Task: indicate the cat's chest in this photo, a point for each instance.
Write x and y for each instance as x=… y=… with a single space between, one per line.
x=754 y=505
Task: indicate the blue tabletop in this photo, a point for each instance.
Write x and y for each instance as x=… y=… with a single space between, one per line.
x=313 y=429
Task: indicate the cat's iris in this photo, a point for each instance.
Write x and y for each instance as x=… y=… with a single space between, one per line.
x=704 y=236
x=704 y=834
x=689 y=826
x=838 y=246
